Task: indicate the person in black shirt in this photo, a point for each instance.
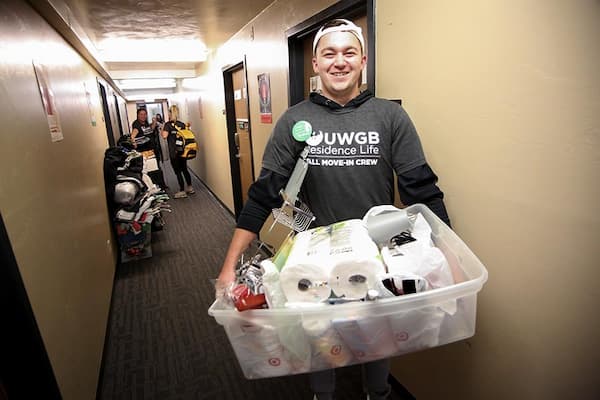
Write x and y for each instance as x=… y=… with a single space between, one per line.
x=178 y=163
x=144 y=138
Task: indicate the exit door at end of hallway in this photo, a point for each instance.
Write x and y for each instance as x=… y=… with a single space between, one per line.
x=239 y=133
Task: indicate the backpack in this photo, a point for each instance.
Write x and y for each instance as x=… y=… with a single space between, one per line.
x=185 y=143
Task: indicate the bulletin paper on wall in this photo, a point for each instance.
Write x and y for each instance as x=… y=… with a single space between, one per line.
x=48 y=102
x=264 y=95
x=88 y=98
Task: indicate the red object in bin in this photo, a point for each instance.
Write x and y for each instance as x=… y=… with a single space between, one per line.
x=244 y=299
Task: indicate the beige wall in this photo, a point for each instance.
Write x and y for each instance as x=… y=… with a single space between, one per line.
x=52 y=196
x=506 y=97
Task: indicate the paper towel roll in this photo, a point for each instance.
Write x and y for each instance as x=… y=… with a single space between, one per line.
x=305 y=283
x=340 y=256
x=304 y=277
x=356 y=260
x=352 y=279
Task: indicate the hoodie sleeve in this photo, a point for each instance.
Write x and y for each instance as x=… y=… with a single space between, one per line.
x=263 y=196
x=419 y=185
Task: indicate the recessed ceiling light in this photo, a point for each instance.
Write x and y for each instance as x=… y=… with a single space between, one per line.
x=151 y=50
x=132 y=84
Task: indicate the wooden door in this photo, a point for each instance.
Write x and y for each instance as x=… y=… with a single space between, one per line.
x=242 y=133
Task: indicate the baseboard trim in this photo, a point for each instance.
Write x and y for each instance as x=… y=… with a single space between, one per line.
x=214 y=196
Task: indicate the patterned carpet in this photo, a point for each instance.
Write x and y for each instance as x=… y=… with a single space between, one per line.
x=161 y=342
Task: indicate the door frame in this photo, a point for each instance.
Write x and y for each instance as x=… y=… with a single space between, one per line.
x=25 y=368
x=295 y=37
x=119 y=121
x=106 y=113
x=236 y=180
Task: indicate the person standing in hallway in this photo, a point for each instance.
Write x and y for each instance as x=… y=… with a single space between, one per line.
x=162 y=146
x=144 y=138
x=142 y=131
x=158 y=124
x=179 y=164
x=383 y=134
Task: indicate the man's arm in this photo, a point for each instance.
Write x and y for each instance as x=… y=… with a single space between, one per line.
x=164 y=133
x=263 y=196
x=134 y=133
x=239 y=243
x=419 y=185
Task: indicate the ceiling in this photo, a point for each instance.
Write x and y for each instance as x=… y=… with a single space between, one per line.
x=157 y=38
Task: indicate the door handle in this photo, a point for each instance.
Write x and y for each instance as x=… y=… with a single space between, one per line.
x=236 y=139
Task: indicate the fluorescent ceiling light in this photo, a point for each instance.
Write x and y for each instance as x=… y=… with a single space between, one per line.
x=148 y=98
x=195 y=83
x=132 y=84
x=152 y=73
x=151 y=50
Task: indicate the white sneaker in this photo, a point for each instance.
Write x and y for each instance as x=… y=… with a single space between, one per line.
x=180 y=195
x=190 y=190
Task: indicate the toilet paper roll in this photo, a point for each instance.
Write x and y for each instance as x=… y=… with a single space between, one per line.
x=305 y=283
x=353 y=278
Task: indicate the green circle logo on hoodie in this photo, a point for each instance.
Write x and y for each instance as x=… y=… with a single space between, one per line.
x=302 y=130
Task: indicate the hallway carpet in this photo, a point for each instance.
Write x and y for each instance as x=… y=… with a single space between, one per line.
x=161 y=343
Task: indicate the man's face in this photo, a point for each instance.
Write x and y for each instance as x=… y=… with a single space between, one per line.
x=339 y=62
x=142 y=116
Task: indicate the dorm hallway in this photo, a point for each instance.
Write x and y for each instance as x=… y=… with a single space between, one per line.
x=161 y=343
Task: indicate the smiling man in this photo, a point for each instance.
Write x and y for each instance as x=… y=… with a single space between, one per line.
x=339 y=59
x=356 y=144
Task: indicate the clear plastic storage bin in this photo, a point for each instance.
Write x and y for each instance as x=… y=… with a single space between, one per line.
x=276 y=342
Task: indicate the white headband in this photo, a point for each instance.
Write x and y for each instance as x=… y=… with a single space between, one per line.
x=346 y=26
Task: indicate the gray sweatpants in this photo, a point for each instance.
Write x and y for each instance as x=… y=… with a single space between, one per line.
x=375 y=373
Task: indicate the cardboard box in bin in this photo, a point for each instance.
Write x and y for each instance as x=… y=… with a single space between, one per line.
x=276 y=342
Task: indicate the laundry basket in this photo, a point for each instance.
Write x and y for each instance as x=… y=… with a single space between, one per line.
x=276 y=342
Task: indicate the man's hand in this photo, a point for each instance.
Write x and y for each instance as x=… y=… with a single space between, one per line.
x=224 y=282
x=239 y=243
